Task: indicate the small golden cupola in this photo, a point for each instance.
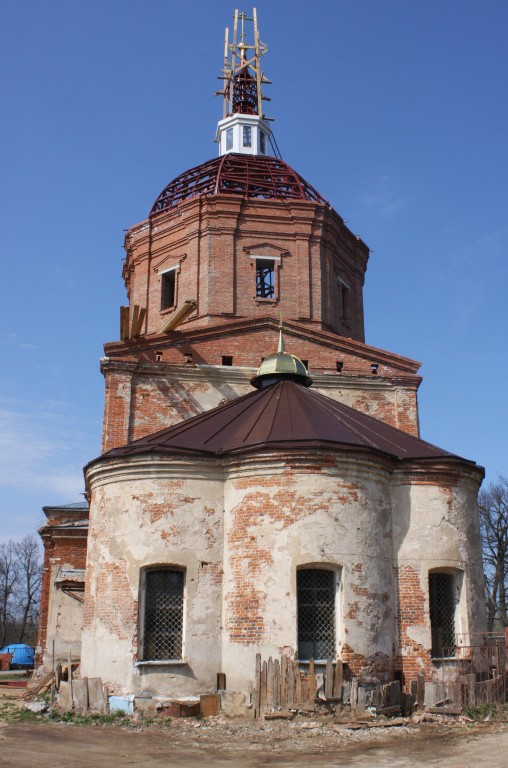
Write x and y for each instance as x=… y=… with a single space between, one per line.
x=279 y=366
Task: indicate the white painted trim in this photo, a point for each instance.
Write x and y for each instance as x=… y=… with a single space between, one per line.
x=169 y=269
x=163 y=663
x=267 y=258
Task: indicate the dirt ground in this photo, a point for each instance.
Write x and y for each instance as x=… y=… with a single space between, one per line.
x=239 y=744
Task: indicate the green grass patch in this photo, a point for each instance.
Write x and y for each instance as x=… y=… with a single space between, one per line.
x=492 y=711
x=118 y=718
x=10 y=713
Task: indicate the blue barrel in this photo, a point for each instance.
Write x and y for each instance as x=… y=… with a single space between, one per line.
x=22 y=655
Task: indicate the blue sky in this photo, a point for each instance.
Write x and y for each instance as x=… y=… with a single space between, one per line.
x=395 y=110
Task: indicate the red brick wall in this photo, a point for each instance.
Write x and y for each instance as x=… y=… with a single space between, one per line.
x=412 y=612
x=211 y=240
x=61 y=547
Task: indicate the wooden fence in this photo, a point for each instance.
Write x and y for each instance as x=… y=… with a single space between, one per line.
x=280 y=686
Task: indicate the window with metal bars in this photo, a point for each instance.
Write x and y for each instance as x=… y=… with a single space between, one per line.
x=316 y=613
x=442 y=613
x=265 y=278
x=163 y=615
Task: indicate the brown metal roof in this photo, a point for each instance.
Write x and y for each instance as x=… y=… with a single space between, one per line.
x=283 y=415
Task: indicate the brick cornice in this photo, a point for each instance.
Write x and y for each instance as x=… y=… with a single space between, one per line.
x=305 y=332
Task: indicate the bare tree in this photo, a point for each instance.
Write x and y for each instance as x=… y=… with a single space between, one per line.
x=28 y=588
x=493 y=507
x=20 y=584
x=8 y=578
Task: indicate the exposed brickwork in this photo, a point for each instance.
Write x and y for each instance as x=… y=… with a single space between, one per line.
x=378 y=666
x=213 y=242
x=63 y=546
x=413 y=614
x=143 y=398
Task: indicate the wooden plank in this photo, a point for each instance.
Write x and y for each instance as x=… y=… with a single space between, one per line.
x=361 y=702
x=395 y=693
x=270 y=685
x=283 y=681
x=407 y=703
x=134 y=320
x=429 y=695
x=264 y=672
x=124 y=323
x=276 y=684
x=353 y=696
x=64 y=702
x=42 y=684
x=445 y=710
x=337 y=681
x=312 y=683
x=58 y=675
x=80 y=695
x=257 y=685
x=376 y=698
x=298 y=685
x=137 y=326
x=395 y=710
x=305 y=693
x=69 y=678
x=96 y=701
x=291 y=683
x=329 y=679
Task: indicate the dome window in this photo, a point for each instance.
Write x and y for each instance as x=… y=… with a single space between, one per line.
x=247 y=136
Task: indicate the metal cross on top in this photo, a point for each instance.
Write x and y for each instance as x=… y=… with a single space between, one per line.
x=242 y=69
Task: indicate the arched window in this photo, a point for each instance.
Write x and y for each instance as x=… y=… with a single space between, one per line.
x=162 y=626
x=316 y=614
x=442 y=613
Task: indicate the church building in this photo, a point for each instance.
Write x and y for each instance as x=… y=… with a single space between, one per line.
x=263 y=486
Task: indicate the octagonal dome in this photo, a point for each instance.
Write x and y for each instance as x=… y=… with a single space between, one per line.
x=252 y=176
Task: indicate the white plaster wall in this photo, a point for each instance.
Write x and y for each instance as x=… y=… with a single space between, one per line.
x=310 y=510
x=153 y=511
x=435 y=527
x=65 y=622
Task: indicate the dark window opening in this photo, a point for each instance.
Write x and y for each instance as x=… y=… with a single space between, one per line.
x=229 y=139
x=158 y=357
x=262 y=143
x=340 y=366
x=316 y=614
x=442 y=614
x=265 y=278
x=247 y=136
x=227 y=360
x=306 y=363
x=374 y=367
x=163 y=619
x=168 y=289
x=343 y=301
